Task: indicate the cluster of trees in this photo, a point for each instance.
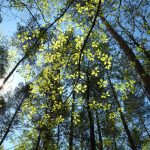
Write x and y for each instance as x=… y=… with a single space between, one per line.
x=86 y=68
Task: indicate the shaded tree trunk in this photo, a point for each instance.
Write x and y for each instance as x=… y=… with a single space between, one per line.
x=71 y=125
x=126 y=128
x=38 y=141
x=91 y=121
x=143 y=76
x=45 y=141
x=99 y=132
x=145 y=51
x=15 y=114
x=141 y=86
x=142 y=121
x=82 y=130
x=115 y=144
x=81 y=141
x=144 y=127
x=58 y=136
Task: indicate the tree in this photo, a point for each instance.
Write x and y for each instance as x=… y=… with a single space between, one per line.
x=83 y=91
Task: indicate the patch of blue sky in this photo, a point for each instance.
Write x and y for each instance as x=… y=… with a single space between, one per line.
x=8 y=27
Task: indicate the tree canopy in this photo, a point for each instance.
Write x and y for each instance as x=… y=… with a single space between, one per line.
x=86 y=75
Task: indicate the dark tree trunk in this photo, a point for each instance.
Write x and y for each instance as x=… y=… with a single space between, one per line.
x=144 y=127
x=92 y=135
x=58 y=136
x=141 y=86
x=143 y=76
x=142 y=121
x=82 y=130
x=115 y=144
x=71 y=125
x=81 y=141
x=145 y=51
x=130 y=138
x=38 y=141
x=46 y=140
x=14 y=116
x=99 y=132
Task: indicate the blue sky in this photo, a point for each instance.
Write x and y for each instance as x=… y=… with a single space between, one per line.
x=7 y=28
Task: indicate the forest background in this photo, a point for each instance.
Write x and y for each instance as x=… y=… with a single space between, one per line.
x=83 y=69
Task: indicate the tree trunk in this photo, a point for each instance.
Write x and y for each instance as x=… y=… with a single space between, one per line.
x=58 y=136
x=46 y=140
x=143 y=76
x=99 y=132
x=140 y=85
x=82 y=130
x=14 y=116
x=92 y=135
x=145 y=127
x=130 y=138
x=81 y=140
x=38 y=141
x=115 y=144
x=71 y=125
x=142 y=121
x=145 y=51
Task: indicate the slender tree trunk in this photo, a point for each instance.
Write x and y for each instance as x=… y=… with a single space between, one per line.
x=139 y=83
x=142 y=121
x=99 y=132
x=81 y=141
x=144 y=126
x=82 y=130
x=47 y=140
x=71 y=125
x=115 y=144
x=126 y=128
x=92 y=135
x=58 y=136
x=130 y=138
x=13 y=118
x=143 y=76
x=145 y=51
x=47 y=136
x=38 y=141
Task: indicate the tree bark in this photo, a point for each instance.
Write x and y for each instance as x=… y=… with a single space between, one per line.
x=58 y=136
x=99 y=132
x=142 y=121
x=115 y=144
x=126 y=128
x=145 y=51
x=38 y=141
x=14 y=116
x=82 y=130
x=143 y=76
x=71 y=125
x=92 y=135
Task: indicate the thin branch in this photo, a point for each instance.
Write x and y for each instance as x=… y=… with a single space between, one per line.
x=13 y=118
x=40 y=11
x=31 y=14
x=87 y=37
x=31 y=50
x=82 y=49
